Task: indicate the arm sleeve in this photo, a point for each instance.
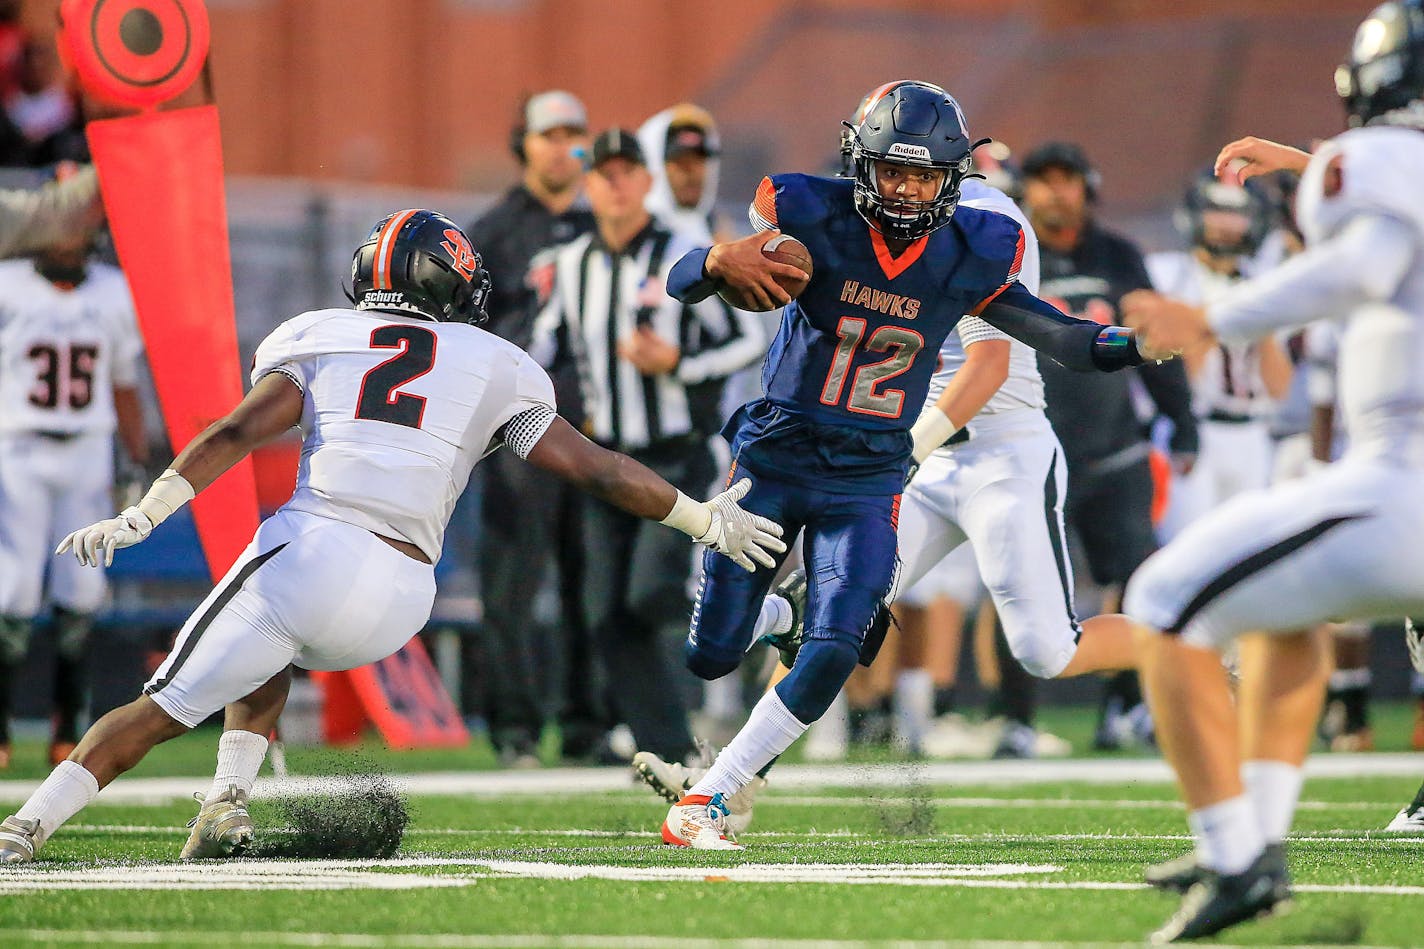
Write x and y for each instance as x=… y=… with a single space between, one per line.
x=740 y=343
x=30 y=220
x=1072 y=343
x=688 y=280
x=1364 y=260
x=1171 y=392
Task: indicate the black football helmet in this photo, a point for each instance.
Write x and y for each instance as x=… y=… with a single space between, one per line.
x=1385 y=69
x=916 y=124
x=1206 y=194
x=420 y=262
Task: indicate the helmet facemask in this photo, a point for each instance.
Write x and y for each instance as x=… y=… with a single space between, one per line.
x=905 y=219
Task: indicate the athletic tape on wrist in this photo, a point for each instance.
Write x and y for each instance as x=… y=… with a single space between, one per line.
x=170 y=492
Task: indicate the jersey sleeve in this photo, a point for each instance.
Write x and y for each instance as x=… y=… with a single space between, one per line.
x=762 y=212
x=1004 y=246
x=972 y=329
x=531 y=410
x=277 y=353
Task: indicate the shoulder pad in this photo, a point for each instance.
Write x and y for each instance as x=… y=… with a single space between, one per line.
x=995 y=238
x=802 y=201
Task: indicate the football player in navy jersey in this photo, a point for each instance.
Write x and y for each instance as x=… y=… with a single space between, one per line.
x=827 y=449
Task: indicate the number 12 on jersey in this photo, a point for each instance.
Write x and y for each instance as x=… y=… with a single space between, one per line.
x=866 y=397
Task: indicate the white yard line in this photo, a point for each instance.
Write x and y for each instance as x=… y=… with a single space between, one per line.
x=565 y=781
x=530 y=941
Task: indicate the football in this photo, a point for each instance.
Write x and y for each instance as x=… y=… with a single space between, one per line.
x=784 y=249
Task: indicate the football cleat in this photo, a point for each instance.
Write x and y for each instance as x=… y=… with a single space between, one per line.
x=1180 y=873
x=793 y=591
x=222 y=828
x=1216 y=902
x=1409 y=820
x=17 y=840
x=672 y=781
x=700 y=822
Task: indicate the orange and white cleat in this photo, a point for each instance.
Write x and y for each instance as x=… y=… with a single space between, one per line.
x=700 y=822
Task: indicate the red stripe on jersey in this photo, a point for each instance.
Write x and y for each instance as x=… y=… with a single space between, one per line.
x=1009 y=280
x=895 y=512
x=764 y=204
x=386 y=247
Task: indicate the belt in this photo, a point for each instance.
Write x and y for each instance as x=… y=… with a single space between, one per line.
x=58 y=436
x=958 y=438
x=1229 y=418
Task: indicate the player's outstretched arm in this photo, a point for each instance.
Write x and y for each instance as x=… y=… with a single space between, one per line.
x=1072 y=343
x=272 y=407
x=1251 y=156
x=719 y=523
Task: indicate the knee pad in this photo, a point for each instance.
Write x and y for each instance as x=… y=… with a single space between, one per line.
x=706 y=665
x=71 y=633
x=14 y=639
x=822 y=668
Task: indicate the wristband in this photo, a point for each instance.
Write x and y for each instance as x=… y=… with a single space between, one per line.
x=1115 y=347
x=931 y=430
x=170 y=492
x=689 y=516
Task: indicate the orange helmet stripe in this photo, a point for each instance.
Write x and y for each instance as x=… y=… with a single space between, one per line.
x=386 y=246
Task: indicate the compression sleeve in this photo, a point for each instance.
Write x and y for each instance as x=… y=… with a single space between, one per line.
x=688 y=280
x=1363 y=261
x=1072 y=343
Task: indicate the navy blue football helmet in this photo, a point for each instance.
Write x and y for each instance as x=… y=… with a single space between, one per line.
x=1385 y=69
x=420 y=262
x=916 y=124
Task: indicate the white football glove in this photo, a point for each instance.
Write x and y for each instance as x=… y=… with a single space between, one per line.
x=1414 y=637
x=739 y=534
x=130 y=526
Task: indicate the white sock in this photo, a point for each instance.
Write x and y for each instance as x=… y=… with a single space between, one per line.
x=770 y=731
x=1228 y=836
x=914 y=705
x=1274 y=789
x=67 y=791
x=774 y=618
x=829 y=735
x=240 y=757
x=722 y=698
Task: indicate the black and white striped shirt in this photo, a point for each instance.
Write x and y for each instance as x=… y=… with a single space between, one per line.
x=599 y=298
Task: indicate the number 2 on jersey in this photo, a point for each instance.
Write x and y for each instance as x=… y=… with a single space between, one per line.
x=865 y=396
x=380 y=400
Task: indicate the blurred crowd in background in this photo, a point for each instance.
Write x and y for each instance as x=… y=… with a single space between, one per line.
x=554 y=657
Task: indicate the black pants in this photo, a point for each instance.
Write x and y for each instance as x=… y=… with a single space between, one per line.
x=636 y=604
x=531 y=518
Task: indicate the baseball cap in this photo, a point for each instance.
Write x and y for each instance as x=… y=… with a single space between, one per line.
x=616 y=143
x=691 y=129
x=554 y=109
x=1057 y=155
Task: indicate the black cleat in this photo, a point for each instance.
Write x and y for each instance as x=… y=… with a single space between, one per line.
x=793 y=591
x=1178 y=874
x=1216 y=902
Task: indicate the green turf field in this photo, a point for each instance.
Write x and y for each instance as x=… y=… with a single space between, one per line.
x=879 y=855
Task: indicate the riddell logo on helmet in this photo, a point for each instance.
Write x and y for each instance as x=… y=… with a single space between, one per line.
x=904 y=150
x=383 y=296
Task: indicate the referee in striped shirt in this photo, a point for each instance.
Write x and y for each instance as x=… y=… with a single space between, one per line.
x=651 y=370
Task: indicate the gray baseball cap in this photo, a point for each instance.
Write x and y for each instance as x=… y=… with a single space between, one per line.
x=554 y=109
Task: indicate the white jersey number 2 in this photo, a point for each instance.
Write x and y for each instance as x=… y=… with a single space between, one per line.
x=380 y=398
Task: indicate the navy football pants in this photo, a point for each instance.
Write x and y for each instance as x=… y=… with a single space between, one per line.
x=849 y=548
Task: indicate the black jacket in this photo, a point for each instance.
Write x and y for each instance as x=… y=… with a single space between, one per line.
x=1092 y=412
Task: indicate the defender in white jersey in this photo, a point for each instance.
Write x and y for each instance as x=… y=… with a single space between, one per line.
x=1235 y=385
x=69 y=355
x=398 y=399
x=1341 y=542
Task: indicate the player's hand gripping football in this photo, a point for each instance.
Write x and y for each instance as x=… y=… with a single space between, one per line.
x=742 y=265
x=739 y=534
x=130 y=526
